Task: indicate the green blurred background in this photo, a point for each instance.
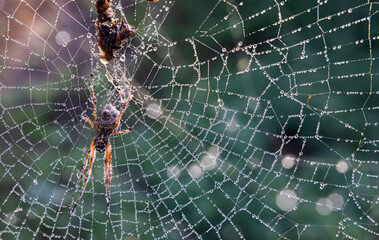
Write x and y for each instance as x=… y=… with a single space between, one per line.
x=251 y=120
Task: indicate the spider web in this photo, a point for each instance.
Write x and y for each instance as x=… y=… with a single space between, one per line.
x=251 y=120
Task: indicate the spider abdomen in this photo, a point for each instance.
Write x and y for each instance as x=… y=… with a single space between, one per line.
x=107 y=118
x=106 y=126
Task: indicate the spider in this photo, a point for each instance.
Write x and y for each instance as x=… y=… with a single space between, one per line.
x=110 y=33
x=105 y=125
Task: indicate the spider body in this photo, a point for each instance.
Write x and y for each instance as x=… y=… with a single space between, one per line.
x=110 y=33
x=105 y=125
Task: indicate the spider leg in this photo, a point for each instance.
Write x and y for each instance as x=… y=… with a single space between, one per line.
x=91 y=153
x=123 y=131
x=84 y=166
x=94 y=103
x=123 y=108
x=89 y=121
x=108 y=174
